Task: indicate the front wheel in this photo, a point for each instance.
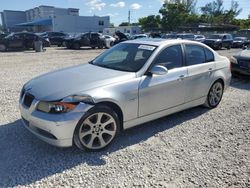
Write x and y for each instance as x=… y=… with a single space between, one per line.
x=97 y=129
x=215 y=95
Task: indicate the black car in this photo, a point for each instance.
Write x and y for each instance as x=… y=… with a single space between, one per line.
x=120 y=37
x=23 y=40
x=91 y=39
x=2 y=35
x=218 y=41
x=240 y=63
x=240 y=42
x=55 y=38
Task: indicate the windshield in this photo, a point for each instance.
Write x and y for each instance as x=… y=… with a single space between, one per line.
x=125 y=57
x=215 y=37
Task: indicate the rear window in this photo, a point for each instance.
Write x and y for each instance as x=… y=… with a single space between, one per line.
x=209 y=55
x=195 y=55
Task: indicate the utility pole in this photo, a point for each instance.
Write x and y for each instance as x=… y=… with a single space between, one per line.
x=129 y=17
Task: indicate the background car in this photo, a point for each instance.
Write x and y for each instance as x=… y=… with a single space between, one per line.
x=121 y=37
x=218 y=41
x=22 y=40
x=239 y=42
x=199 y=38
x=139 y=36
x=240 y=63
x=186 y=36
x=55 y=38
x=91 y=39
x=109 y=41
x=169 y=36
x=132 y=83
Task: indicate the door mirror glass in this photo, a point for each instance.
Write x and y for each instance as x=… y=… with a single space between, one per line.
x=159 y=70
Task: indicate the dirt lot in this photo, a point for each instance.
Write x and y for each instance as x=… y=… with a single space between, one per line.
x=193 y=148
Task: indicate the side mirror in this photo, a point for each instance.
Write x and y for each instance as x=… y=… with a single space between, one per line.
x=159 y=70
x=244 y=47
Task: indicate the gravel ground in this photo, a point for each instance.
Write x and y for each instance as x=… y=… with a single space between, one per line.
x=194 y=148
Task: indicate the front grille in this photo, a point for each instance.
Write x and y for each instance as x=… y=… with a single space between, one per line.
x=244 y=63
x=28 y=99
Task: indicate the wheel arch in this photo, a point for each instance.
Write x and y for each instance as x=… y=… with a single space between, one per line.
x=114 y=107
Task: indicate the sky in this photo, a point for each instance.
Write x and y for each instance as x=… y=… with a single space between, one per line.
x=116 y=9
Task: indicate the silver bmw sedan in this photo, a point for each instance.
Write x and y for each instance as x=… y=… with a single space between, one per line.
x=132 y=83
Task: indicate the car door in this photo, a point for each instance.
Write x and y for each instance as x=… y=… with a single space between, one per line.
x=16 y=41
x=200 y=65
x=85 y=39
x=29 y=40
x=160 y=92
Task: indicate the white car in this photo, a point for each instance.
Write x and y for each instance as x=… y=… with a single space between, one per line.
x=109 y=41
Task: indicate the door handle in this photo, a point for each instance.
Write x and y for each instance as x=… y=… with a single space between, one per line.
x=210 y=69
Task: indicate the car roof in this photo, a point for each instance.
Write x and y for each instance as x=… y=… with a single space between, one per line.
x=159 y=42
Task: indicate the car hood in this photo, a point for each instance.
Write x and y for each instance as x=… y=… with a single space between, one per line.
x=59 y=84
x=244 y=54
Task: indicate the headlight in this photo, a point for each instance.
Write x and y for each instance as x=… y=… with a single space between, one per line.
x=55 y=107
x=65 y=105
x=233 y=60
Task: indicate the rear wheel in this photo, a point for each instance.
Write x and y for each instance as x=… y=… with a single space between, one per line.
x=229 y=47
x=220 y=47
x=215 y=95
x=76 y=46
x=97 y=129
x=2 y=48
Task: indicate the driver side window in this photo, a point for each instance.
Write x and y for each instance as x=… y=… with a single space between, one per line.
x=171 y=57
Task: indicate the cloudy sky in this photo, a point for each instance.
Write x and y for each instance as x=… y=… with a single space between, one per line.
x=117 y=10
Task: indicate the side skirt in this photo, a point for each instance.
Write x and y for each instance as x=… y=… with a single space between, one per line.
x=150 y=117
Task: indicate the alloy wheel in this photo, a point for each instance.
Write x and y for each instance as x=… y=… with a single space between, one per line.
x=97 y=130
x=215 y=94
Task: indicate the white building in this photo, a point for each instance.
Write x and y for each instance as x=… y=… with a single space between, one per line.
x=132 y=30
x=49 y=18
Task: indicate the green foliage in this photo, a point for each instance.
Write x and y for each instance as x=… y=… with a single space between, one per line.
x=124 y=24
x=178 y=12
x=214 y=12
x=183 y=13
x=150 y=22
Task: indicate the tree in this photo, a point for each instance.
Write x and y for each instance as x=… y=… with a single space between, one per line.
x=175 y=13
x=150 y=22
x=124 y=24
x=214 y=12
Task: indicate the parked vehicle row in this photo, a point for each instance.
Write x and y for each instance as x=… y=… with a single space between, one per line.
x=25 y=40
x=22 y=40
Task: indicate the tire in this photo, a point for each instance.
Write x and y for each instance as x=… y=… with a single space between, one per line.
x=76 y=46
x=214 y=95
x=100 y=46
x=229 y=47
x=2 y=48
x=93 y=47
x=219 y=47
x=97 y=129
